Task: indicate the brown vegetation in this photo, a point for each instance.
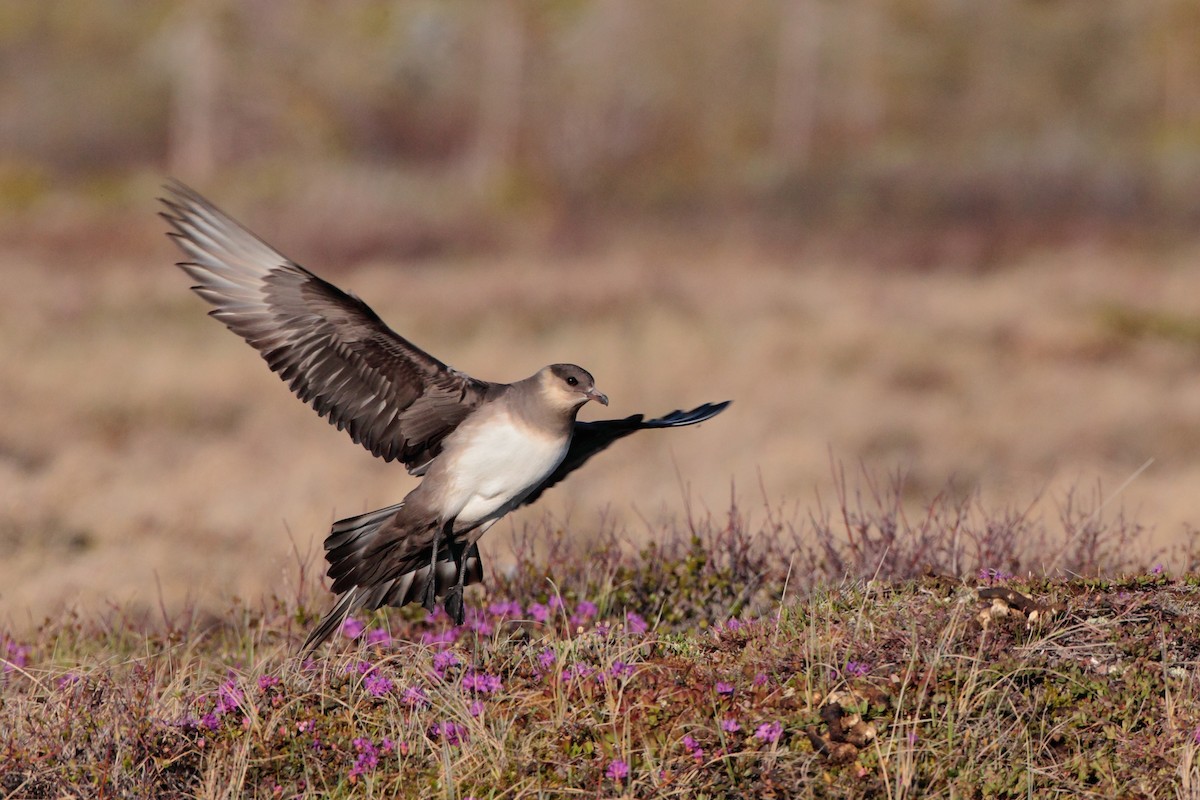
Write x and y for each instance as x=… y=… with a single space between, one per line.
x=903 y=236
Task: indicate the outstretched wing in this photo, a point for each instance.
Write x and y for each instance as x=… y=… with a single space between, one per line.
x=590 y=438
x=334 y=352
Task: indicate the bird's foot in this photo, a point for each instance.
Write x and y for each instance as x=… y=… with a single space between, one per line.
x=429 y=596
x=454 y=605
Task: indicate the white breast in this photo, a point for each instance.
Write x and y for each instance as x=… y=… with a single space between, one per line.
x=493 y=466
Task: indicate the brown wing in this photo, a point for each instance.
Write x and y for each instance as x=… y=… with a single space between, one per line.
x=333 y=351
x=590 y=438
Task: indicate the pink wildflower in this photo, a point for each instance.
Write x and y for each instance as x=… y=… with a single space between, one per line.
x=857 y=669
x=377 y=685
x=769 y=732
x=635 y=624
x=415 y=696
x=577 y=671
x=229 y=696
x=539 y=612
x=451 y=732
x=617 y=770
x=584 y=611
x=510 y=608
x=378 y=636
x=352 y=628
x=445 y=659
x=447 y=637
x=478 y=622
x=367 y=760
x=481 y=682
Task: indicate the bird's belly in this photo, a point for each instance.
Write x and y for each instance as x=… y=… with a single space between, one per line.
x=500 y=467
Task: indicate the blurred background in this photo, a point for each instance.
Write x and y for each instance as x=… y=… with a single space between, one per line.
x=949 y=240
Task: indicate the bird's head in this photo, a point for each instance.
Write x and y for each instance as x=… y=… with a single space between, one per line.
x=570 y=386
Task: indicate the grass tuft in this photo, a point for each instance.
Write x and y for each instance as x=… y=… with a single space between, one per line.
x=860 y=655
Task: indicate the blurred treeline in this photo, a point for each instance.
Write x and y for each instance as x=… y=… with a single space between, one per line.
x=926 y=113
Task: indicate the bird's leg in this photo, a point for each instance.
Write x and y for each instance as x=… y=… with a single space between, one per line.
x=429 y=601
x=454 y=596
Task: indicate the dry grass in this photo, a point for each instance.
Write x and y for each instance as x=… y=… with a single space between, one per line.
x=600 y=671
x=146 y=451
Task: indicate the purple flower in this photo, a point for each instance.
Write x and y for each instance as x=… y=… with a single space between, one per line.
x=477 y=622
x=481 y=682
x=912 y=738
x=555 y=602
x=621 y=670
x=266 y=682
x=856 y=669
x=67 y=681
x=476 y=708
x=693 y=747
x=1158 y=569
x=760 y=679
x=367 y=760
x=415 y=696
x=229 y=697
x=724 y=688
x=635 y=624
x=990 y=575
x=617 y=770
x=510 y=608
x=442 y=661
x=378 y=636
x=359 y=666
x=447 y=637
x=546 y=658
x=352 y=628
x=769 y=732
x=584 y=611
x=733 y=623
x=210 y=721
x=451 y=732
x=376 y=684
x=577 y=671
x=539 y=612
x=730 y=725
x=14 y=655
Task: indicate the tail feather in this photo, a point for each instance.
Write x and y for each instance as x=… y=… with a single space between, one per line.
x=345 y=605
x=356 y=558
x=374 y=547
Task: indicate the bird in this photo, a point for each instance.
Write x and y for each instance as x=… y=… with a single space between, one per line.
x=481 y=448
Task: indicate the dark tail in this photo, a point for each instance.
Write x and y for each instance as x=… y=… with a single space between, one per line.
x=351 y=547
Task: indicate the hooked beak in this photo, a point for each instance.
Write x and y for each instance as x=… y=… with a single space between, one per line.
x=599 y=397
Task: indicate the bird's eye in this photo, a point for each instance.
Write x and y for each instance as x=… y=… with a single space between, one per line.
x=572 y=381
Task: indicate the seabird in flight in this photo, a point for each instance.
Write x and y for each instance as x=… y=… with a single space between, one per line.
x=482 y=448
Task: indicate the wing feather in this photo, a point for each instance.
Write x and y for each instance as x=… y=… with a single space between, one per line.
x=328 y=346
